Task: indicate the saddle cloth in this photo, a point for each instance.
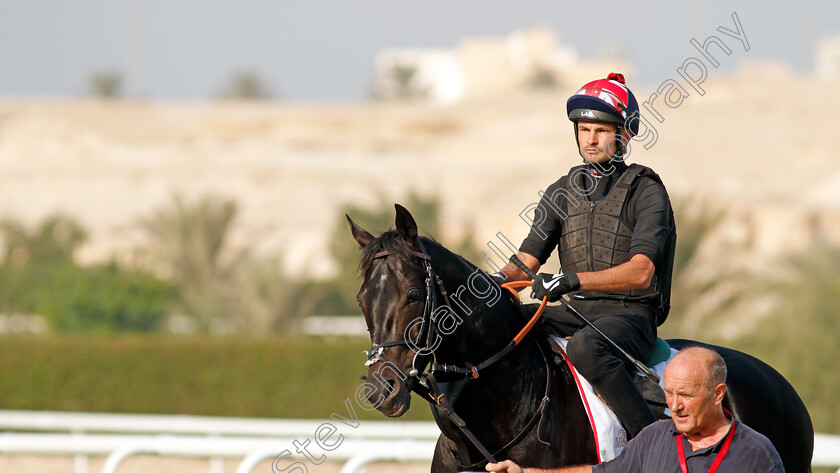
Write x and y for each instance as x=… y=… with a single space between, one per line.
x=610 y=436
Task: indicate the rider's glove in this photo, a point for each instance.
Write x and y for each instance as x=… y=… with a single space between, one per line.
x=554 y=285
x=499 y=277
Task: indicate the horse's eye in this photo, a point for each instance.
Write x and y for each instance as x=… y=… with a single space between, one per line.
x=414 y=295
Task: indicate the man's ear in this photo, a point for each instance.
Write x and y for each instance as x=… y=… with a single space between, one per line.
x=720 y=391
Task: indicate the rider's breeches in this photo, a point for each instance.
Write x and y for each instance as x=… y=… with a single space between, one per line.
x=606 y=369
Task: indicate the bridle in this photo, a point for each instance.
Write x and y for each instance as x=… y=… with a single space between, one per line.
x=428 y=327
x=426 y=384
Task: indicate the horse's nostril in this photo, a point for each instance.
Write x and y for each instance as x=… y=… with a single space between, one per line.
x=391 y=384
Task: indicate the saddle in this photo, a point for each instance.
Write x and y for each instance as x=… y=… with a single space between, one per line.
x=610 y=435
x=652 y=392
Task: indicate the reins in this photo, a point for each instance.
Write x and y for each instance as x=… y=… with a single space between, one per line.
x=512 y=286
x=428 y=387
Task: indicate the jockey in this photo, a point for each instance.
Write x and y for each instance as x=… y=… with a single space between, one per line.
x=614 y=231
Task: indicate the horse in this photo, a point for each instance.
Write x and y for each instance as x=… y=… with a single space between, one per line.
x=493 y=399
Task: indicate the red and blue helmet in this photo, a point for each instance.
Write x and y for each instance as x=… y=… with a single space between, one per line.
x=605 y=100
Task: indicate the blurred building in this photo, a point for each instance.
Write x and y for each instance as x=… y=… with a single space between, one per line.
x=827 y=58
x=481 y=67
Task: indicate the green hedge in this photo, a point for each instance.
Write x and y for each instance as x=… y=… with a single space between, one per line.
x=279 y=377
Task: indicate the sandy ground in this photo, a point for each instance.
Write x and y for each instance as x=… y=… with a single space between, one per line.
x=149 y=464
x=755 y=144
x=292 y=168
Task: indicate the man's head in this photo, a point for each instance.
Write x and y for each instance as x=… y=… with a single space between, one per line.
x=694 y=389
x=610 y=103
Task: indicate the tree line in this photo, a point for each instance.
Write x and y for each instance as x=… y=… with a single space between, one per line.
x=189 y=278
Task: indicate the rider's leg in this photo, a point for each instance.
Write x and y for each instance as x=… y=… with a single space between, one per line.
x=559 y=321
x=608 y=371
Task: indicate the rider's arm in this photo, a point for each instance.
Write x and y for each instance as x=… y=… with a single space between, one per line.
x=650 y=215
x=650 y=441
x=515 y=274
x=634 y=274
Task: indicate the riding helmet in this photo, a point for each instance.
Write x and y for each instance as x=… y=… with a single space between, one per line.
x=605 y=100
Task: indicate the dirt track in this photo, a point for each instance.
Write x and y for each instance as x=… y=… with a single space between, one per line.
x=147 y=464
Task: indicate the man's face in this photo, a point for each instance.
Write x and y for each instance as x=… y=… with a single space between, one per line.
x=692 y=406
x=596 y=141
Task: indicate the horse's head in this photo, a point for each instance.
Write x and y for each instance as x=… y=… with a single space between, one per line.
x=395 y=299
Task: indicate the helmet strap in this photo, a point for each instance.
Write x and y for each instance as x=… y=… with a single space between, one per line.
x=620 y=149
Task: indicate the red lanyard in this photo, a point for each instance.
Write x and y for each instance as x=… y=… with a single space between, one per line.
x=718 y=457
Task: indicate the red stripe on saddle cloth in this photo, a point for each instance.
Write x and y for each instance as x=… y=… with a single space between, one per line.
x=585 y=401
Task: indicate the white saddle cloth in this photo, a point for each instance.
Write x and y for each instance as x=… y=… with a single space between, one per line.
x=610 y=436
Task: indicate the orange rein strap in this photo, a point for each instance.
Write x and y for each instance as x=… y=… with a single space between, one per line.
x=512 y=286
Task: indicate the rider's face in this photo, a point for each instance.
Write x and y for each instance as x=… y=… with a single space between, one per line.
x=596 y=141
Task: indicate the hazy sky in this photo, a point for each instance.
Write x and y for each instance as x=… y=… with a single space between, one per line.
x=323 y=50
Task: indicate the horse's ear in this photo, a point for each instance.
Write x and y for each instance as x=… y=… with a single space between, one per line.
x=406 y=225
x=361 y=235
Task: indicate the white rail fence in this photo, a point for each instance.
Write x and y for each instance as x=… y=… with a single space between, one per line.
x=120 y=436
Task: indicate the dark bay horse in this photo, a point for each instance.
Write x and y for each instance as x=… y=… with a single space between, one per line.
x=426 y=307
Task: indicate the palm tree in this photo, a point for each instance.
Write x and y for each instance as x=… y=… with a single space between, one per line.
x=703 y=292
x=54 y=241
x=222 y=289
x=106 y=85
x=247 y=85
x=799 y=338
x=190 y=238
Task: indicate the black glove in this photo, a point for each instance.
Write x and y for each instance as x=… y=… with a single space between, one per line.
x=499 y=277
x=554 y=285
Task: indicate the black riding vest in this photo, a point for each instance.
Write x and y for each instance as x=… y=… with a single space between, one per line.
x=594 y=237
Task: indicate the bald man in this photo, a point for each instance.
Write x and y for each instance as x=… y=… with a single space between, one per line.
x=701 y=437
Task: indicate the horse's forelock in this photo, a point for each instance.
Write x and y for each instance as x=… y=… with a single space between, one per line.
x=390 y=241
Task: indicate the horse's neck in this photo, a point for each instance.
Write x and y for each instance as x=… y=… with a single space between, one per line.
x=499 y=404
x=485 y=324
x=488 y=327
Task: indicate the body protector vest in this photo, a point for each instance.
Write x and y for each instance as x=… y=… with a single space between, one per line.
x=594 y=237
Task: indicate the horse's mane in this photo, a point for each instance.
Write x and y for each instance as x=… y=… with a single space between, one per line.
x=393 y=242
